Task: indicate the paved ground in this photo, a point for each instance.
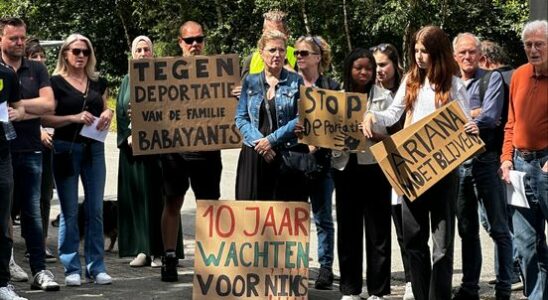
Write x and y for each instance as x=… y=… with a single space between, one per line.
x=144 y=283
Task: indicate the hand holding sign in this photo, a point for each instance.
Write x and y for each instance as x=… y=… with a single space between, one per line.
x=367 y=124
x=471 y=127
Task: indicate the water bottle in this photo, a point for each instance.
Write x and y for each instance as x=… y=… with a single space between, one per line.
x=9 y=131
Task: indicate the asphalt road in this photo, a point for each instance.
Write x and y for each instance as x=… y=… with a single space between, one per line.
x=144 y=283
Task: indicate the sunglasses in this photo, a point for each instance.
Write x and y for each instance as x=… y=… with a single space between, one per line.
x=192 y=39
x=303 y=53
x=381 y=47
x=78 y=51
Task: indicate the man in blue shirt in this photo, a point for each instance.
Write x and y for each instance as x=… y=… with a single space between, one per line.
x=479 y=180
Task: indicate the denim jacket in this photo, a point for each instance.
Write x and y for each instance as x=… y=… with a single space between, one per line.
x=251 y=97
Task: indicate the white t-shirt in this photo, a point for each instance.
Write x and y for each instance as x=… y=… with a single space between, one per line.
x=425 y=103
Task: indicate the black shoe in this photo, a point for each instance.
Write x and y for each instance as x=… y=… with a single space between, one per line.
x=492 y=282
x=169 y=269
x=50 y=258
x=324 y=280
x=502 y=297
x=465 y=295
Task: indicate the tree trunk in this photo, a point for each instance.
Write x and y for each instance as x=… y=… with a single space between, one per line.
x=119 y=12
x=346 y=29
x=305 y=17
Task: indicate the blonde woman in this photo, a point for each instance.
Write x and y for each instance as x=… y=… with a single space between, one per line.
x=80 y=96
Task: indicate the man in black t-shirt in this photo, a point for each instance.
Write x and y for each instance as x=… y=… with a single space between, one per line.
x=26 y=149
x=201 y=170
x=10 y=108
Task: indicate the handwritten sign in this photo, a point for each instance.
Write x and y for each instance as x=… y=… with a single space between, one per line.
x=251 y=250
x=417 y=157
x=331 y=119
x=183 y=103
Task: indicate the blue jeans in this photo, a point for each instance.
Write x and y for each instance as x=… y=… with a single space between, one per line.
x=89 y=165
x=481 y=172
x=320 y=190
x=6 y=190
x=27 y=178
x=529 y=225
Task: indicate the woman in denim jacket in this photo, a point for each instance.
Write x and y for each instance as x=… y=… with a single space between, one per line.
x=266 y=117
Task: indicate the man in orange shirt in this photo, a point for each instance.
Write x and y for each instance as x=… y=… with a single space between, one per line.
x=525 y=149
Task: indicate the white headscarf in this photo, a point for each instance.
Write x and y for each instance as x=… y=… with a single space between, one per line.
x=137 y=40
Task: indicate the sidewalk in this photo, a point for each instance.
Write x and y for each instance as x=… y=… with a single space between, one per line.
x=144 y=283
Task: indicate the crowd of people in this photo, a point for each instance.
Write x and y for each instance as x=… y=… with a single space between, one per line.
x=40 y=147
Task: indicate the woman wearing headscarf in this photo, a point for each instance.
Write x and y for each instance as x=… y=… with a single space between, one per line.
x=140 y=202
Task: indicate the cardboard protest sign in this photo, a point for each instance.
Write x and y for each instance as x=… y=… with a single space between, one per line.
x=331 y=119
x=251 y=250
x=417 y=157
x=183 y=103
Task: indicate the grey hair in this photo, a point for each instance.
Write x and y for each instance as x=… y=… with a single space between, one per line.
x=466 y=34
x=534 y=26
x=494 y=52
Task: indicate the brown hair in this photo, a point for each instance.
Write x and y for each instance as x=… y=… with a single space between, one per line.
x=442 y=68
x=15 y=22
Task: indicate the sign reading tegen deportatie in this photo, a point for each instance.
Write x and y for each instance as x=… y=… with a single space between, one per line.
x=183 y=103
x=251 y=250
x=331 y=119
x=417 y=157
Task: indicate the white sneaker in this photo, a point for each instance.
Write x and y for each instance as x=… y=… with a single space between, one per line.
x=375 y=298
x=17 y=273
x=156 y=262
x=44 y=280
x=73 y=280
x=139 y=261
x=351 y=297
x=408 y=292
x=103 y=278
x=8 y=293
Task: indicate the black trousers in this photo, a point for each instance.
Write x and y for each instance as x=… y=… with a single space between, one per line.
x=46 y=191
x=363 y=198
x=398 y=224
x=6 y=191
x=431 y=277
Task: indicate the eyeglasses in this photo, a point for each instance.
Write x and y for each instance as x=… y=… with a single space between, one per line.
x=78 y=51
x=303 y=53
x=274 y=49
x=192 y=39
x=538 y=45
x=381 y=47
x=316 y=40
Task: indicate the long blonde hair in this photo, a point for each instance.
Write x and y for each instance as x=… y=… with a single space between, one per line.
x=62 y=67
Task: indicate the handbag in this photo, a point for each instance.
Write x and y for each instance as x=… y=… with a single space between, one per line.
x=300 y=161
x=64 y=165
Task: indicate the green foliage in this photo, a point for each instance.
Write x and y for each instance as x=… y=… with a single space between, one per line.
x=234 y=26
